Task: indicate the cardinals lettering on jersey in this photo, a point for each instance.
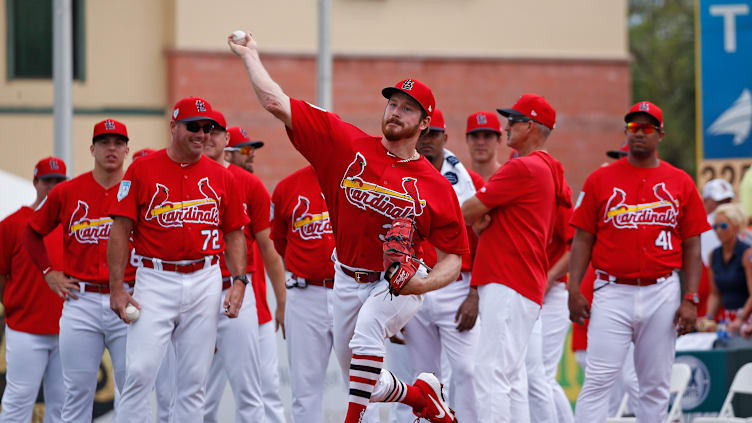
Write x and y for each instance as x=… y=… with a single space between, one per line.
x=383 y=200
x=662 y=212
x=307 y=225
x=170 y=214
x=87 y=230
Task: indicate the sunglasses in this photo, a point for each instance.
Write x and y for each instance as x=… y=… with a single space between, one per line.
x=647 y=128
x=722 y=226
x=195 y=127
x=517 y=119
x=245 y=150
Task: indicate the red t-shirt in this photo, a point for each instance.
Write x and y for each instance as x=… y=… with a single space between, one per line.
x=80 y=205
x=301 y=230
x=366 y=188
x=561 y=241
x=180 y=211
x=30 y=305
x=640 y=217
x=579 y=332
x=259 y=288
x=255 y=201
x=523 y=196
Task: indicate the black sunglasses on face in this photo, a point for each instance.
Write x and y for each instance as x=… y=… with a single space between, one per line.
x=515 y=119
x=195 y=127
x=722 y=225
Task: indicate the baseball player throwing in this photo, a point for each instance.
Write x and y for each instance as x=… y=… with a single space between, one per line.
x=32 y=311
x=371 y=182
x=178 y=205
x=637 y=220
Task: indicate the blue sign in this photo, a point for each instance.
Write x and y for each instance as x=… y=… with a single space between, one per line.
x=725 y=33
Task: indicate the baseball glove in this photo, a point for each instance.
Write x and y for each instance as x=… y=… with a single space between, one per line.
x=399 y=265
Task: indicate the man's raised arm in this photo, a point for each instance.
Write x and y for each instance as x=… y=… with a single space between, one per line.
x=269 y=93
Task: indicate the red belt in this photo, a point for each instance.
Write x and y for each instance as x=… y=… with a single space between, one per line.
x=636 y=281
x=180 y=268
x=99 y=288
x=362 y=277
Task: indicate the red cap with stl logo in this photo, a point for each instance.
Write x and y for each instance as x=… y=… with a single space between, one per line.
x=192 y=108
x=110 y=127
x=240 y=138
x=483 y=121
x=648 y=108
x=50 y=167
x=417 y=90
x=437 y=121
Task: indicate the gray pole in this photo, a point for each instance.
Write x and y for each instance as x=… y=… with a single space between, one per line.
x=62 y=73
x=324 y=59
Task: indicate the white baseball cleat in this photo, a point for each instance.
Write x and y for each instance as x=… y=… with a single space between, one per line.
x=437 y=410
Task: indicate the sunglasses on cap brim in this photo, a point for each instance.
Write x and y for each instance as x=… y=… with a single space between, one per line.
x=245 y=150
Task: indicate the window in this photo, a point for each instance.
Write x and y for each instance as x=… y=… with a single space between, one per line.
x=30 y=39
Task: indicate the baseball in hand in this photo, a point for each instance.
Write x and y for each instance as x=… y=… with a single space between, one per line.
x=132 y=313
x=238 y=37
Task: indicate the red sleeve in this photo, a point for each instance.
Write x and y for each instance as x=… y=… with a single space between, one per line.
x=448 y=228
x=5 y=248
x=314 y=132
x=693 y=220
x=47 y=215
x=478 y=180
x=260 y=205
x=233 y=217
x=585 y=210
x=127 y=196
x=563 y=229
x=503 y=187
x=278 y=232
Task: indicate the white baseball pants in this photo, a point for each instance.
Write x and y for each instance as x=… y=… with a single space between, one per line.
x=236 y=360
x=273 y=407
x=164 y=387
x=540 y=397
x=87 y=326
x=622 y=314
x=178 y=307
x=398 y=362
x=507 y=322
x=433 y=330
x=555 y=327
x=309 y=321
x=31 y=359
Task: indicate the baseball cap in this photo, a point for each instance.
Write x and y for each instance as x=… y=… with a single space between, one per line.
x=417 y=90
x=50 y=167
x=648 y=108
x=534 y=107
x=718 y=190
x=437 y=121
x=192 y=108
x=109 y=126
x=218 y=118
x=143 y=152
x=483 y=121
x=621 y=152
x=239 y=138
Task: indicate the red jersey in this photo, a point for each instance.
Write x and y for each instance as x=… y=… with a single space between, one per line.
x=366 y=188
x=180 y=210
x=255 y=199
x=640 y=217
x=301 y=230
x=561 y=241
x=259 y=288
x=30 y=305
x=579 y=332
x=80 y=205
x=523 y=196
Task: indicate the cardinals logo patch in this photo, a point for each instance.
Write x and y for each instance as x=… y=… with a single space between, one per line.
x=385 y=201
x=663 y=212
x=175 y=214
x=86 y=230
x=307 y=225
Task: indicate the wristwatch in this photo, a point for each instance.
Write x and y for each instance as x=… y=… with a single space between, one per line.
x=692 y=297
x=241 y=278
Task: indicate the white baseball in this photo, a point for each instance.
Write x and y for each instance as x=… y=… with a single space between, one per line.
x=238 y=37
x=132 y=313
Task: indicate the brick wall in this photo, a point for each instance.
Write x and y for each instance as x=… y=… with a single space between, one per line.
x=590 y=97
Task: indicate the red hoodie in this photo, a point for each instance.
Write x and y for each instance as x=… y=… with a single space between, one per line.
x=523 y=195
